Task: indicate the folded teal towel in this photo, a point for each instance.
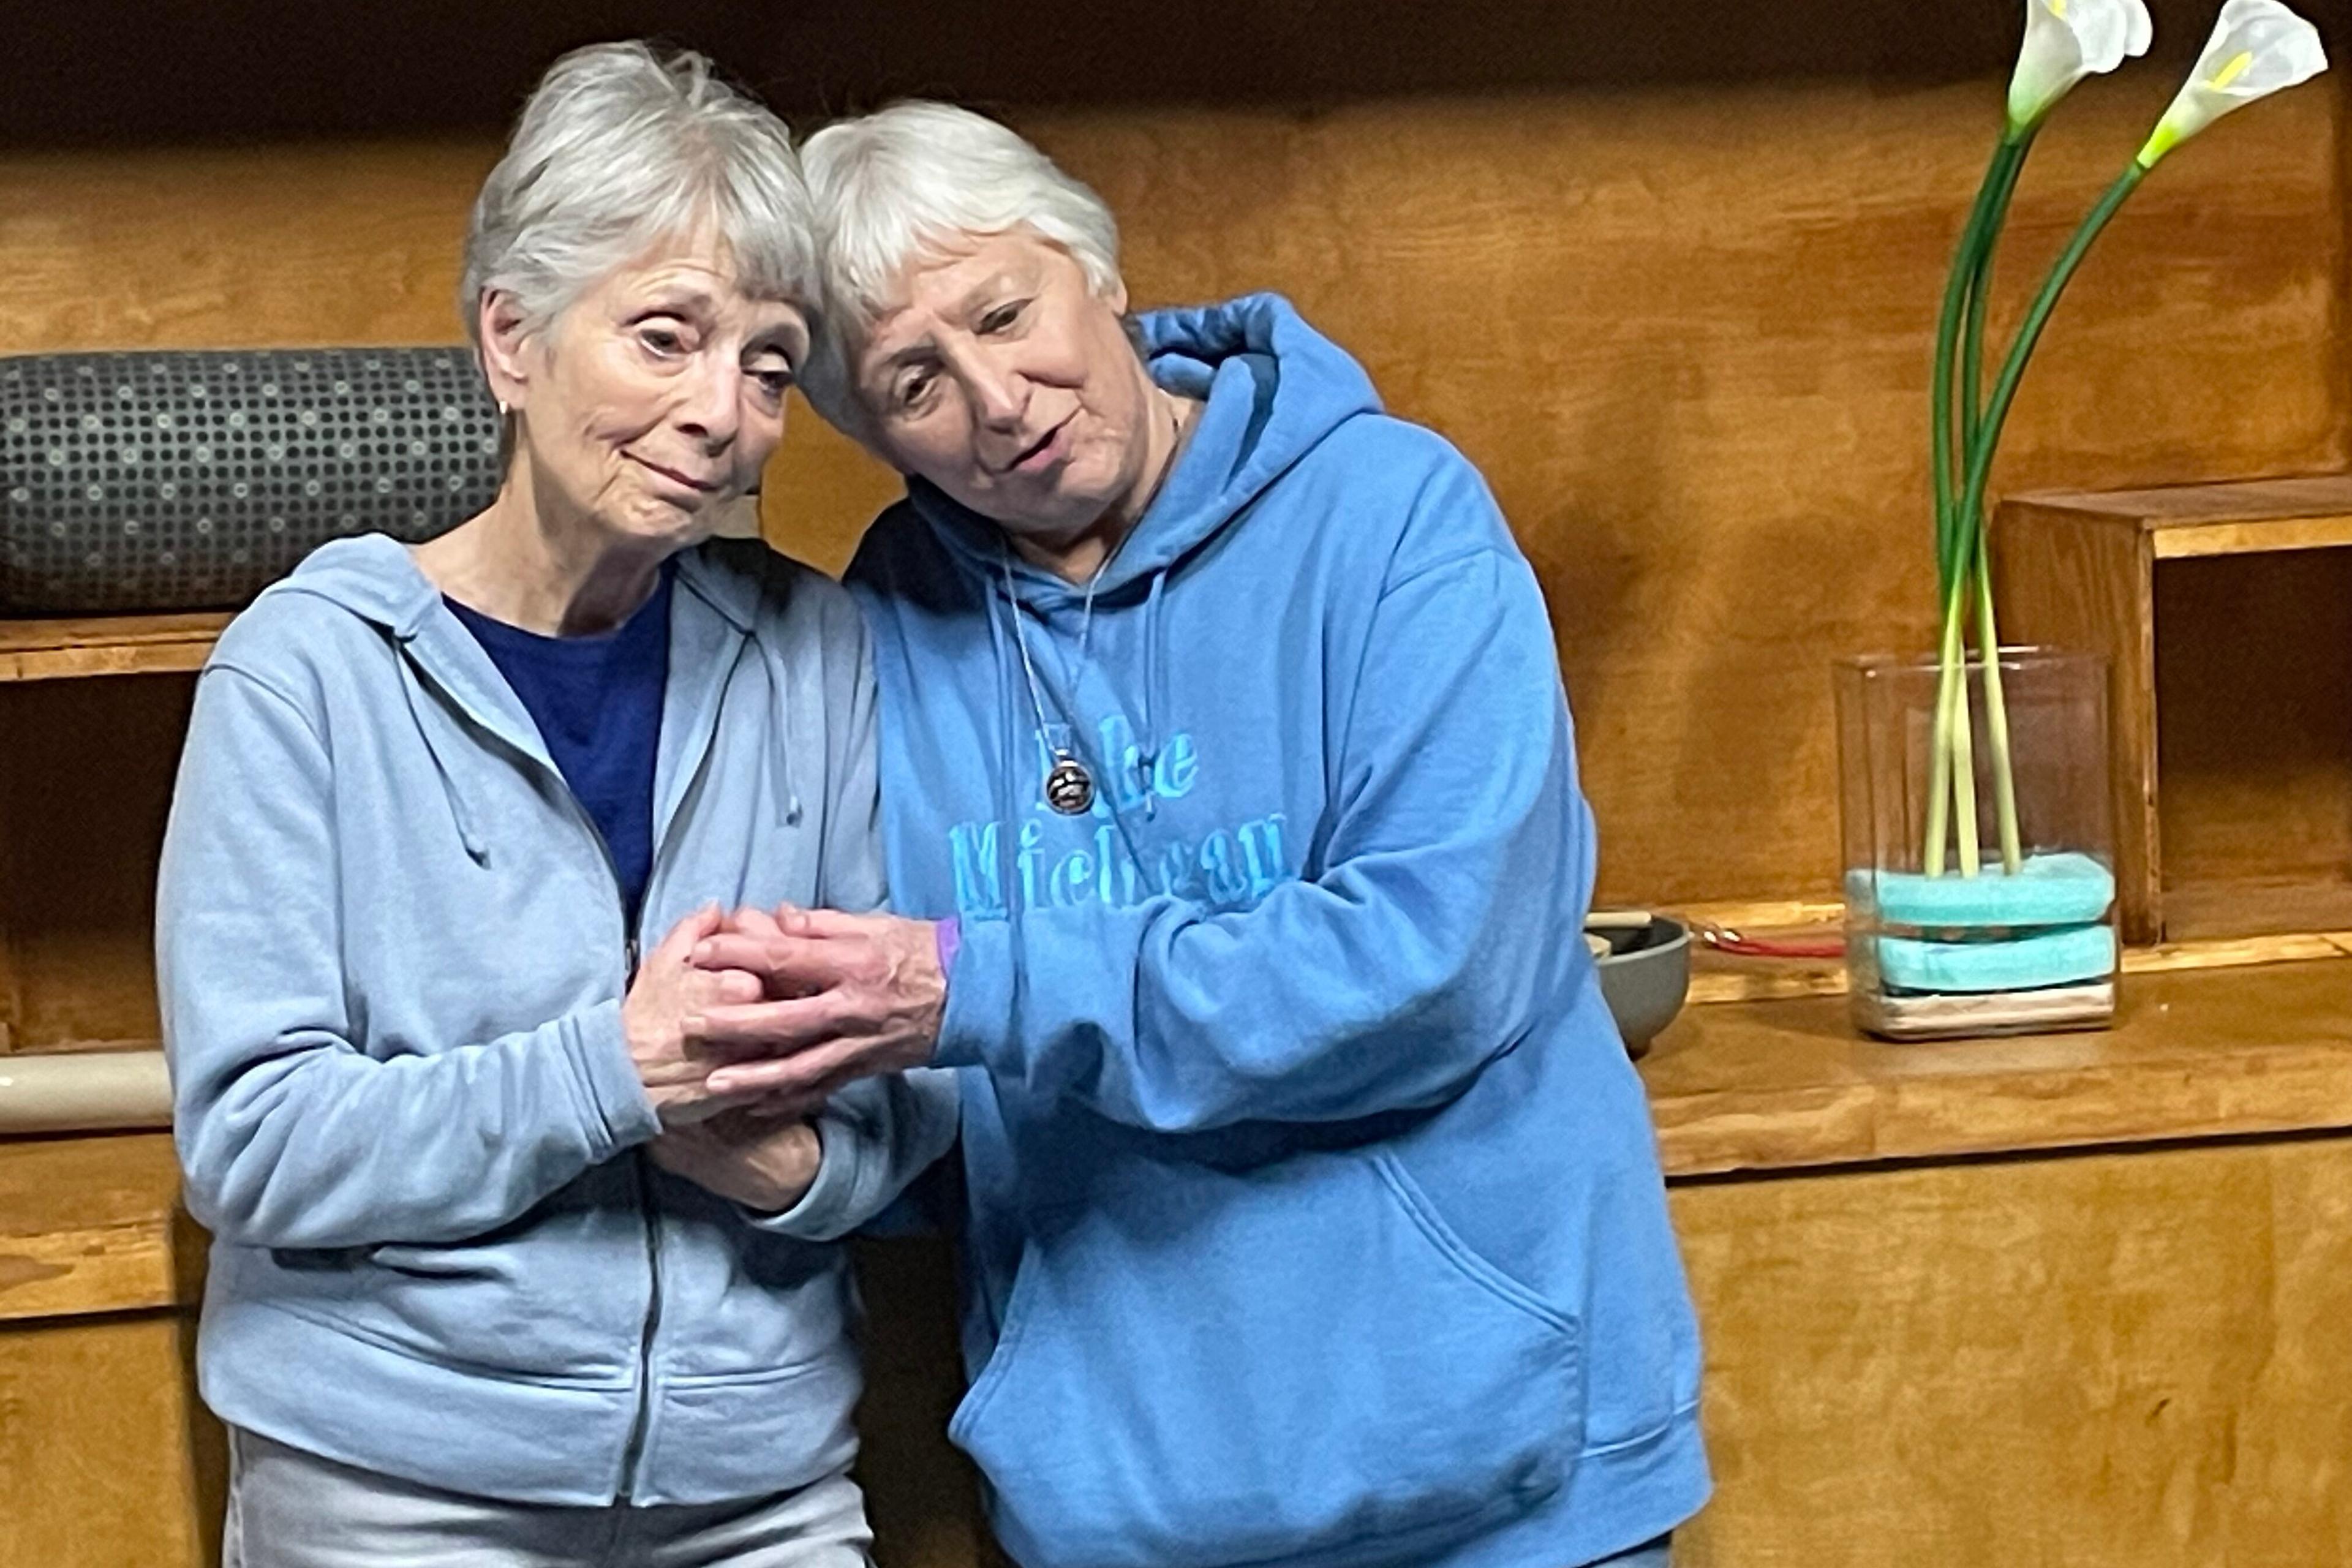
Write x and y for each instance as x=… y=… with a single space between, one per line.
x=2059 y=890
x=2020 y=964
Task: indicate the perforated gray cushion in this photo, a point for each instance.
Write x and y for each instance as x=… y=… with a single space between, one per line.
x=191 y=480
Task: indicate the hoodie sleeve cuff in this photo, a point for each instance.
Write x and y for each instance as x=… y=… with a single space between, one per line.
x=619 y=1113
x=980 y=998
x=822 y=1212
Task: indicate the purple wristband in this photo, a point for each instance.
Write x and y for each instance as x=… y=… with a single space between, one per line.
x=949 y=934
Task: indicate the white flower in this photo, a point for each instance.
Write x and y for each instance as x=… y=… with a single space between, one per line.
x=2066 y=40
x=2258 y=47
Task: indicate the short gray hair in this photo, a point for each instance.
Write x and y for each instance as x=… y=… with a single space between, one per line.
x=908 y=181
x=618 y=149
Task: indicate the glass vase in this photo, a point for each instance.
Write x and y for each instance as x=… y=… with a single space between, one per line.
x=2020 y=935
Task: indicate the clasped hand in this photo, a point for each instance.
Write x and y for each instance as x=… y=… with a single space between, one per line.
x=740 y=1027
x=842 y=997
x=780 y=1010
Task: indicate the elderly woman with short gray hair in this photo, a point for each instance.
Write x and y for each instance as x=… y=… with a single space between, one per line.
x=1316 y=1216
x=500 y=1275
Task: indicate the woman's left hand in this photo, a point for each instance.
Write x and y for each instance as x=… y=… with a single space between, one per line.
x=851 y=996
x=757 y=1159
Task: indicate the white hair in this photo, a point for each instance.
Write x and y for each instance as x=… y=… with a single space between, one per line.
x=618 y=149
x=909 y=182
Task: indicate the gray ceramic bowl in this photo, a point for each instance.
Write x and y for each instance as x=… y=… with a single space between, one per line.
x=1644 y=977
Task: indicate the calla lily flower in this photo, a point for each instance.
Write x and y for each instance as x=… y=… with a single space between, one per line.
x=2258 y=47
x=2066 y=40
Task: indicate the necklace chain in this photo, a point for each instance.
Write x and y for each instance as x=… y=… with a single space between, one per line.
x=1065 y=774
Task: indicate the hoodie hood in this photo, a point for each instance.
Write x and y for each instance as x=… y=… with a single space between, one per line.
x=715 y=622
x=1274 y=389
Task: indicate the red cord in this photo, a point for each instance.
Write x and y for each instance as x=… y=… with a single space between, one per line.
x=1725 y=940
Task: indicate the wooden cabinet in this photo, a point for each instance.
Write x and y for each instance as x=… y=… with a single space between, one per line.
x=108 y=1459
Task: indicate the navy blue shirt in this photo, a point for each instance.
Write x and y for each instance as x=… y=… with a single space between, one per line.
x=597 y=701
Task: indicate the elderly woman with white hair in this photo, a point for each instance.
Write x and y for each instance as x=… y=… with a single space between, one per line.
x=1316 y=1216
x=441 y=1116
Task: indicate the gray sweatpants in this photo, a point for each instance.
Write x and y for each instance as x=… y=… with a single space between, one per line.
x=289 y=1509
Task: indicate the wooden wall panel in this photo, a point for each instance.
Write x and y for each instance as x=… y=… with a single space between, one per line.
x=1683 y=329
x=921 y=1493
x=2253 y=679
x=86 y=770
x=107 y=1460
x=2129 y=1359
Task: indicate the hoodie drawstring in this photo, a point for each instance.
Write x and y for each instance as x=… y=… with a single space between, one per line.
x=1008 y=748
x=411 y=687
x=788 y=806
x=1153 y=698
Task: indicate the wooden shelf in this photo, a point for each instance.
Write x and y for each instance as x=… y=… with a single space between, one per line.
x=1719 y=978
x=2244 y=517
x=2223 y=610
x=107 y=645
x=94 y=1225
x=2194 y=1054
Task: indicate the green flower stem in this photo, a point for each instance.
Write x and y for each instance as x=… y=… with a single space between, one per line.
x=2004 y=776
x=1980 y=290
x=1939 y=749
x=1975 y=238
x=1951 y=757
x=1969 y=521
x=1963 y=547
x=1964 y=757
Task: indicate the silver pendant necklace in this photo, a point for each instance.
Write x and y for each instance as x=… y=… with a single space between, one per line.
x=1069 y=787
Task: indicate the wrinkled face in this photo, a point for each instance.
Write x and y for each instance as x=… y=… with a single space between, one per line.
x=999 y=376
x=652 y=402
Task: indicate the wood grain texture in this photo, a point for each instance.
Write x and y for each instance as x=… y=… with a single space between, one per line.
x=2107 y=1360
x=111 y=1460
x=92 y=1224
x=2163 y=508
x=85 y=785
x=2193 y=1054
x=106 y=645
x=2331 y=533
x=2224 y=610
x=235 y=247
x=1684 y=330
x=2254 y=687
x=2069 y=580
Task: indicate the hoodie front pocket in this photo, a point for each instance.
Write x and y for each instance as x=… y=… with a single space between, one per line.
x=1297 y=1363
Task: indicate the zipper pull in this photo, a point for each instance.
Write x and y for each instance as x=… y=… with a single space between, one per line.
x=629 y=949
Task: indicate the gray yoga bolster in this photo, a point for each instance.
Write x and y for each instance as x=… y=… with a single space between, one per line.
x=189 y=481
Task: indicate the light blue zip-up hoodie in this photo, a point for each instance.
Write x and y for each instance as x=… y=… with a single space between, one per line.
x=392 y=951
x=1316 y=1211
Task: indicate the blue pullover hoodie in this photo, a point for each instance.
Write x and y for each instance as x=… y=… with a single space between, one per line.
x=1316 y=1211
x=393 y=950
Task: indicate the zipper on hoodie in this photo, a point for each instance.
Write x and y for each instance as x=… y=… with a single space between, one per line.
x=641 y=1424
x=641 y=1420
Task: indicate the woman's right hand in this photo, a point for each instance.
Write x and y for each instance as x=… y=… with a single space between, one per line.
x=669 y=990
x=763 y=1161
